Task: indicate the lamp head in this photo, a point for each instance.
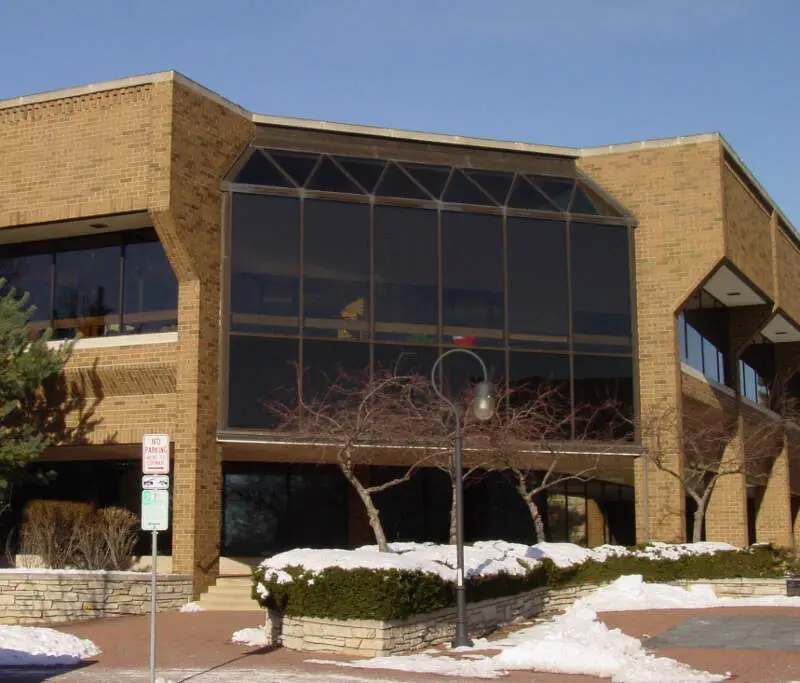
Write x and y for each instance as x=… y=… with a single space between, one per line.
x=483 y=403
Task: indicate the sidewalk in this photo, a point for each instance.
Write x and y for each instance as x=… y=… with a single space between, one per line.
x=196 y=647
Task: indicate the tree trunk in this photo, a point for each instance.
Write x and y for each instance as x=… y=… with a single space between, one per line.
x=538 y=522
x=697 y=526
x=373 y=514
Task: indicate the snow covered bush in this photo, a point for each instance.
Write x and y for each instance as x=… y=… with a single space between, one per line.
x=415 y=578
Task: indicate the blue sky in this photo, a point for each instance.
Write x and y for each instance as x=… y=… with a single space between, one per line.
x=562 y=72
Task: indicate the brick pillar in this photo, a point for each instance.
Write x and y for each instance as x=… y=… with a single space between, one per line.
x=774 y=514
x=596 y=527
x=726 y=517
x=198 y=470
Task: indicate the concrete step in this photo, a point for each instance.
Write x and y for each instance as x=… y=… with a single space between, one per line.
x=230 y=593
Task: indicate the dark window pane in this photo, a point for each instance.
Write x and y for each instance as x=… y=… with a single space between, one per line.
x=694 y=344
x=265 y=263
x=682 y=352
x=537 y=281
x=543 y=379
x=87 y=292
x=460 y=372
x=366 y=172
x=150 y=290
x=406 y=274
x=395 y=183
x=496 y=184
x=296 y=164
x=581 y=203
x=262 y=376
x=258 y=170
x=603 y=396
x=329 y=364
x=461 y=190
x=559 y=190
x=404 y=360
x=432 y=178
x=317 y=507
x=710 y=362
x=336 y=269
x=255 y=506
x=525 y=196
x=472 y=273
x=329 y=178
x=600 y=280
x=32 y=274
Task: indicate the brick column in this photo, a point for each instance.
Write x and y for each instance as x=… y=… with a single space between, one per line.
x=595 y=523
x=774 y=514
x=726 y=517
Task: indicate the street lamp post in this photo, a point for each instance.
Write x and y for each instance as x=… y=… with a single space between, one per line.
x=483 y=409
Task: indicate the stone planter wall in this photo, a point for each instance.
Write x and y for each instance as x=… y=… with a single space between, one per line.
x=41 y=596
x=373 y=638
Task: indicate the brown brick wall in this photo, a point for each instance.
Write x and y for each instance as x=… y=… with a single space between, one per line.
x=676 y=195
x=748 y=239
x=82 y=156
x=787 y=256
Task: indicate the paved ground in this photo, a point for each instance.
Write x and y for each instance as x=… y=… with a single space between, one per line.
x=755 y=644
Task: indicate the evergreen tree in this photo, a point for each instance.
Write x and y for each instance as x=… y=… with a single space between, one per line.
x=26 y=362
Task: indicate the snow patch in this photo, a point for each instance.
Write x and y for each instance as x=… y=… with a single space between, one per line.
x=45 y=647
x=253 y=637
x=192 y=607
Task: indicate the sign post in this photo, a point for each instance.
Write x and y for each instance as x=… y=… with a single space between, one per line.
x=155 y=516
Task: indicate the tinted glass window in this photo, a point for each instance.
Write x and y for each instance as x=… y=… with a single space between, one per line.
x=404 y=360
x=600 y=281
x=265 y=263
x=258 y=170
x=603 y=381
x=460 y=371
x=537 y=281
x=87 y=292
x=472 y=274
x=406 y=274
x=150 y=301
x=336 y=257
x=255 y=508
x=317 y=507
x=327 y=364
x=262 y=375
x=531 y=374
x=32 y=274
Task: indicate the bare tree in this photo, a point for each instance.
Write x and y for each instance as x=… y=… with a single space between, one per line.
x=541 y=441
x=363 y=419
x=715 y=443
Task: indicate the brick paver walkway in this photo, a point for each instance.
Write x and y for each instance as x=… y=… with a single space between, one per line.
x=196 y=648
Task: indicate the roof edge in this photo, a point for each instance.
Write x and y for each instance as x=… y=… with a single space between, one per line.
x=649 y=144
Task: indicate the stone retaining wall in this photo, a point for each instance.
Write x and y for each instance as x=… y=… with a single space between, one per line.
x=373 y=638
x=31 y=597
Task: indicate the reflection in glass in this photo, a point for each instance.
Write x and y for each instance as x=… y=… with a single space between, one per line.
x=600 y=281
x=460 y=371
x=406 y=274
x=404 y=360
x=150 y=301
x=262 y=377
x=538 y=308
x=87 y=292
x=336 y=253
x=317 y=507
x=603 y=387
x=542 y=378
x=472 y=279
x=265 y=263
x=330 y=363
x=32 y=274
x=558 y=190
x=255 y=509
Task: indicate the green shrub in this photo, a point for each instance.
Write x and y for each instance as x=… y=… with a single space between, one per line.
x=384 y=594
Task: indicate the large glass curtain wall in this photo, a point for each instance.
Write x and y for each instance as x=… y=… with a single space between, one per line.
x=348 y=263
x=97 y=285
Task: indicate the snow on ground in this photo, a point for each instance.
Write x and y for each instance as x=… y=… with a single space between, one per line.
x=484 y=558
x=192 y=607
x=33 y=646
x=255 y=637
x=577 y=642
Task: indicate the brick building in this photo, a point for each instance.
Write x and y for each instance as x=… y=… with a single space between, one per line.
x=200 y=249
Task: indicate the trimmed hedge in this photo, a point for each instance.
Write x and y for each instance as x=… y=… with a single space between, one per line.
x=390 y=594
